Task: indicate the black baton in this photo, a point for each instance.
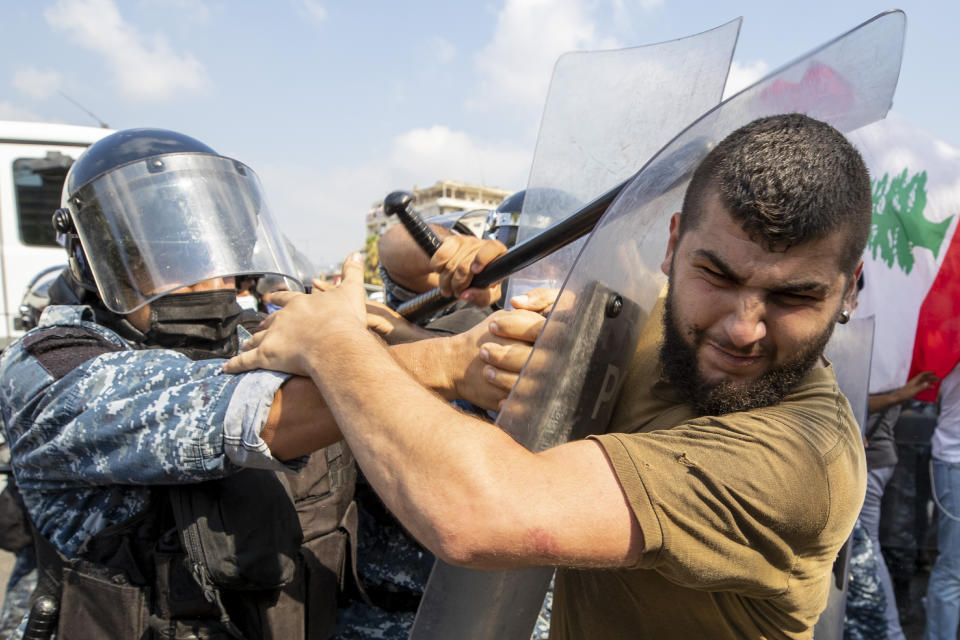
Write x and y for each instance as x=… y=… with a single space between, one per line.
x=397 y=204
x=571 y=228
x=659 y=175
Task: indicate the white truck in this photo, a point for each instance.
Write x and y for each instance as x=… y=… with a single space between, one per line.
x=34 y=158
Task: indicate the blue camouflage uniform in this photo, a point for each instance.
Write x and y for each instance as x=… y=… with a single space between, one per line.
x=87 y=444
x=23 y=575
x=866 y=601
x=394 y=569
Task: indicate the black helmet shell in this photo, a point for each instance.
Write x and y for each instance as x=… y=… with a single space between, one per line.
x=124 y=147
x=512 y=203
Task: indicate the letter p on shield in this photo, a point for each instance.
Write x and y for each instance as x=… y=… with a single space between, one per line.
x=608 y=389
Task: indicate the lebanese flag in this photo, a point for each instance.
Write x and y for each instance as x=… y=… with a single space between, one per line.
x=912 y=261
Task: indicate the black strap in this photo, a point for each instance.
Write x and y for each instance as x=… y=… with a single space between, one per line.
x=50 y=564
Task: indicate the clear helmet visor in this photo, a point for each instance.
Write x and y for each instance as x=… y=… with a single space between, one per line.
x=153 y=226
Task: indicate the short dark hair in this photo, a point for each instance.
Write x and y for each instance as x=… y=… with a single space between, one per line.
x=788 y=179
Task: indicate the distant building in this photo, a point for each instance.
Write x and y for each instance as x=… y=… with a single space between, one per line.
x=443 y=197
x=448 y=196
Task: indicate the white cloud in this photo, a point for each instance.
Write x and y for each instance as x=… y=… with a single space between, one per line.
x=529 y=36
x=324 y=214
x=143 y=67
x=443 y=49
x=423 y=156
x=742 y=76
x=190 y=11
x=36 y=83
x=10 y=111
x=313 y=10
x=621 y=7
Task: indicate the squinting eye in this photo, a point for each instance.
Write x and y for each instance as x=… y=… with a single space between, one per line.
x=714 y=275
x=793 y=299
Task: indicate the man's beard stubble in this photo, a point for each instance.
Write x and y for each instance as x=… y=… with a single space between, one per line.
x=678 y=359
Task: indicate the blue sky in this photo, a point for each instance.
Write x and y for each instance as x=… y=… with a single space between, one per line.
x=334 y=104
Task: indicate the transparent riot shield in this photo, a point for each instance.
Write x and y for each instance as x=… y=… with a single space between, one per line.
x=851 y=351
x=606 y=114
x=571 y=380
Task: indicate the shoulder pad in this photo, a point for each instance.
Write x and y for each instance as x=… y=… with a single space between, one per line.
x=56 y=314
x=61 y=349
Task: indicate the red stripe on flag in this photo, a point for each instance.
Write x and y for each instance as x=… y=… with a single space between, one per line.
x=937 y=344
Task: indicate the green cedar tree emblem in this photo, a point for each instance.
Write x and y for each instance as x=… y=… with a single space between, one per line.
x=898 y=224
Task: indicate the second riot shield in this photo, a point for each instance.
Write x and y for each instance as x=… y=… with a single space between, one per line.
x=606 y=114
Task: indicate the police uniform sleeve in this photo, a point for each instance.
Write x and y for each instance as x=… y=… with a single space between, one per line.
x=245 y=416
x=136 y=417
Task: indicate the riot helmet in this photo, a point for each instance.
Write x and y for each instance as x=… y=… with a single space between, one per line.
x=36 y=298
x=306 y=272
x=148 y=211
x=471 y=222
x=503 y=222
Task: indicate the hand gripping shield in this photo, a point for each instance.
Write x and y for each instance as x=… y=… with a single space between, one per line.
x=568 y=386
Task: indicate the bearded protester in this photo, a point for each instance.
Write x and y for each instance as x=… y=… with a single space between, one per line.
x=733 y=469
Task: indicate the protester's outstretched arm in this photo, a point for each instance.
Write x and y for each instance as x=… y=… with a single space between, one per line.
x=442 y=472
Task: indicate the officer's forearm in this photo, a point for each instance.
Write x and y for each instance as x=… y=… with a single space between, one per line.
x=299 y=421
x=405 y=261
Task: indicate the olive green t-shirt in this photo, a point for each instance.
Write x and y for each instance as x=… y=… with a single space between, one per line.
x=742 y=515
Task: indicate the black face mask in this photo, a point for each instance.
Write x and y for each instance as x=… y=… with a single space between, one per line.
x=200 y=324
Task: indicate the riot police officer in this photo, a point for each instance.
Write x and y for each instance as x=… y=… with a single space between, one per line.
x=152 y=479
x=157 y=485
